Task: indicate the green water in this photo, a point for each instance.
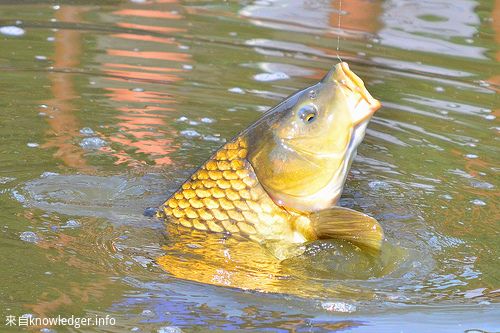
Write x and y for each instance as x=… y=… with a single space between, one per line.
x=107 y=106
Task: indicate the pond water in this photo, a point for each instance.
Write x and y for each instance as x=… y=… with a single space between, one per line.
x=107 y=106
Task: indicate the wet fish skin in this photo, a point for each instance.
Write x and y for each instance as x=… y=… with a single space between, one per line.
x=224 y=195
x=281 y=177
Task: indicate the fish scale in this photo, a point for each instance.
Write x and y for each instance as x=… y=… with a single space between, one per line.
x=225 y=196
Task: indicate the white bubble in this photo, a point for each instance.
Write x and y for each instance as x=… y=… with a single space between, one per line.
x=187 y=67
x=262 y=3
x=267 y=77
x=207 y=120
x=5 y=180
x=72 y=224
x=471 y=156
x=190 y=133
x=483 y=83
x=48 y=174
x=378 y=185
x=47 y=330
x=148 y=313
x=40 y=57
x=482 y=185
x=87 y=131
x=11 y=30
x=236 y=90
x=18 y=196
x=92 y=143
x=29 y=237
x=169 y=329
x=478 y=202
x=213 y=138
x=32 y=145
x=338 y=307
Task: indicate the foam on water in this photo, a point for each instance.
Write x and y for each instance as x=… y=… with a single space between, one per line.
x=12 y=31
x=267 y=77
x=93 y=143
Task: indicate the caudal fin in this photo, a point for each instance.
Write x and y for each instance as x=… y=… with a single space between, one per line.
x=348 y=224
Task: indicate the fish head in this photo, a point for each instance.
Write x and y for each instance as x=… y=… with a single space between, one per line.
x=301 y=150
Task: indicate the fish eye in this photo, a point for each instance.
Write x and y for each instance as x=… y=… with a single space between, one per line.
x=308 y=113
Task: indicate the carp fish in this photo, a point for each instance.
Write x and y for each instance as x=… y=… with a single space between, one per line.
x=281 y=178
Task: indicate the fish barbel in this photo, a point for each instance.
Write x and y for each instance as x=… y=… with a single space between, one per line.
x=281 y=178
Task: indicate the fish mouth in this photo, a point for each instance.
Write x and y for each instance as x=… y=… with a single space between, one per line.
x=365 y=105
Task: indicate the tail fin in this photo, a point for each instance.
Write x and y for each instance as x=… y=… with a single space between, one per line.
x=348 y=224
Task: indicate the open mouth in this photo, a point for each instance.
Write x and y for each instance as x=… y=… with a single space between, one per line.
x=365 y=105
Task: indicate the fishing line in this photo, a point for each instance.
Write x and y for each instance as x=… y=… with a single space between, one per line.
x=338 y=31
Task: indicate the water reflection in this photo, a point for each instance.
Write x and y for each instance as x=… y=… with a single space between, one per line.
x=431 y=27
x=141 y=128
x=358 y=19
x=141 y=92
x=363 y=15
x=323 y=269
x=65 y=125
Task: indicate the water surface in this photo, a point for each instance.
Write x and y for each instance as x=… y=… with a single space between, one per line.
x=107 y=106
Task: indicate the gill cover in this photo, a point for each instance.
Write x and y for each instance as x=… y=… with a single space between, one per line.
x=301 y=150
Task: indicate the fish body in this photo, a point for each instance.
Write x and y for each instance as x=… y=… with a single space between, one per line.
x=225 y=195
x=280 y=178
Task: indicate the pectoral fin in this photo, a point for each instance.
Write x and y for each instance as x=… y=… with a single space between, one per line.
x=348 y=224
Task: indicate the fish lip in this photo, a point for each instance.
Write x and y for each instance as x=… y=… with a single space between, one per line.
x=356 y=85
